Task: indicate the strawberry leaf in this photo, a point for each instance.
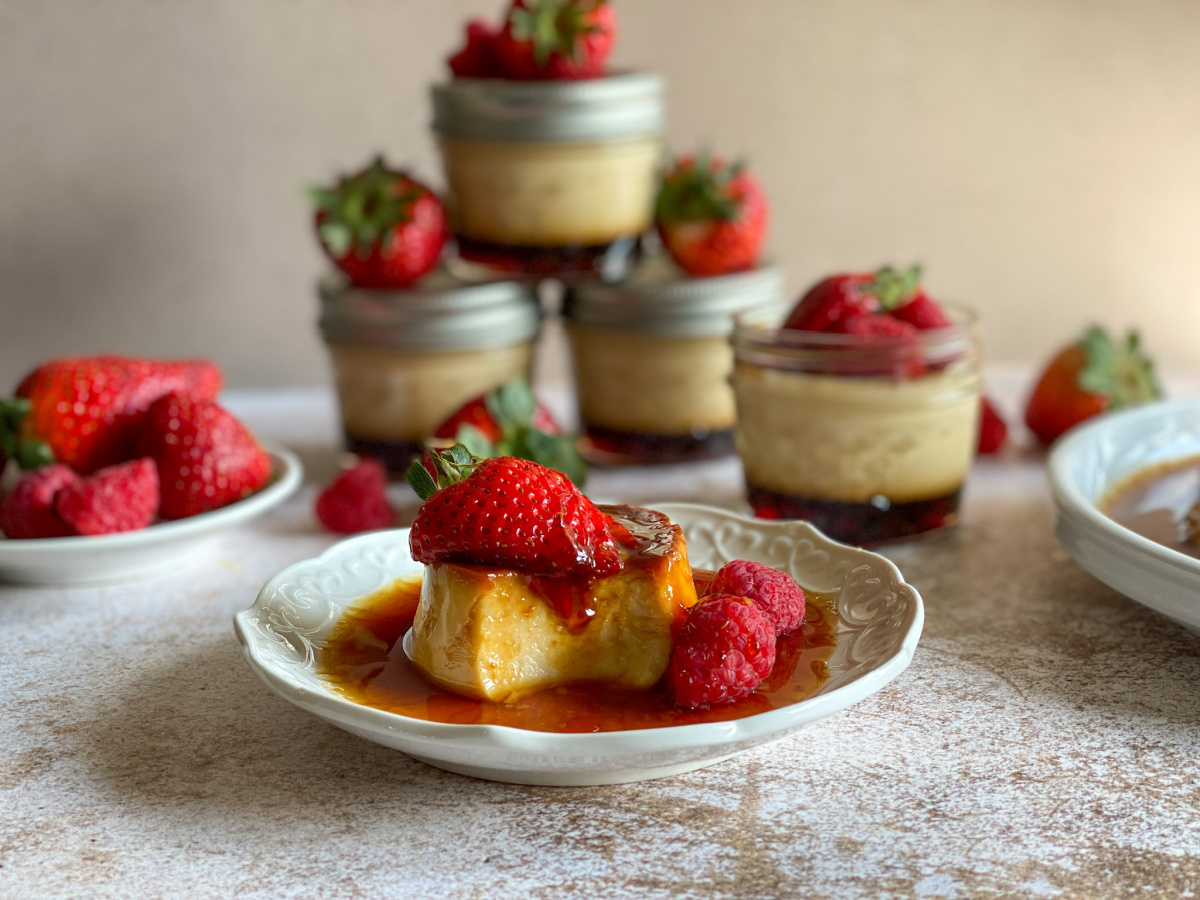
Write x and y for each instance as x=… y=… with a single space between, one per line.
x=893 y=289
x=512 y=404
x=1120 y=372
x=475 y=441
x=420 y=479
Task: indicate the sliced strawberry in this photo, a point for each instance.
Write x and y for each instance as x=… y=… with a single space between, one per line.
x=381 y=227
x=508 y=512
x=118 y=498
x=556 y=39
x=477 y=58
x=28 y=511
x=712 y=218
x=993 y=430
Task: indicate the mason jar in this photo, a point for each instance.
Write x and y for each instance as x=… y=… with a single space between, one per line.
x=652 y=361
x=404 y=360
x=551 y=177
x=868 y=438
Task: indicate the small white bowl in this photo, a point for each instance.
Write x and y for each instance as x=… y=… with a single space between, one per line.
x=878 y=623
x=140 y=554
x=1087 y=464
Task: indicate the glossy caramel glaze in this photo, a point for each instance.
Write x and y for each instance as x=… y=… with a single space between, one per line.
x=364 y=660
x=1156 y=504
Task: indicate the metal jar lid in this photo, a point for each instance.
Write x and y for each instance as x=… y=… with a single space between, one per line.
x=439 y=313
x=660 y=299
x=617 y=107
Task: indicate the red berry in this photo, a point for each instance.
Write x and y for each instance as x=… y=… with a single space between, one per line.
x=838 y=297
x=512 y=513
x=993 y=430
x=775 y=593
x=28 y=512
x=381 y=227
x=874 y=326
x=357 y=500
x=88 y=410
x=556 y=39
x=118 y=498
x=712 y=218
x=206 y=458
x=477 y=58
x=922 y=312
x=722 y=653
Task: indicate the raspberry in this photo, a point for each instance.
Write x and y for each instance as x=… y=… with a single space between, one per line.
x=357 y=500
x=775 y=593
x=119 y=498
x=724 y=650
x=28 y=512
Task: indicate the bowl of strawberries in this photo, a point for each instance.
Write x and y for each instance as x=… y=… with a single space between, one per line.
x=113 y=467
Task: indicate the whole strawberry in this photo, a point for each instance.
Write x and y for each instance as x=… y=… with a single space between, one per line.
x=28 y=510
x=712 y=218
x=88 y=410
x=1086 y=378
x=118 y=498
x=722 y=653
x=556 y=39
x=357 y=500
x=508 y=512
x=381 y=227
x=206 y=458
x=509 y=421
x=775 y=593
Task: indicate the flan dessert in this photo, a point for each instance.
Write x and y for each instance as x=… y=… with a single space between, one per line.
x=858 y=411
x=501 y=634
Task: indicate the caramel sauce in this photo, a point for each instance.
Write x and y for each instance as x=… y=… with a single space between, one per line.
x=364 y=661
x=1155 y=502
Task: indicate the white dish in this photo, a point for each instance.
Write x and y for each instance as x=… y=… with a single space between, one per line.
x=140 y=554
x=879 y=621
x=1086 y=465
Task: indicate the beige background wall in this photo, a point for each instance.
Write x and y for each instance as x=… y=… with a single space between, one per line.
x=1040 y=157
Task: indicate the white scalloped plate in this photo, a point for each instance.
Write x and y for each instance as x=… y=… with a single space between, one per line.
x=140 y=554
x=1087 y=464
x=879 y=621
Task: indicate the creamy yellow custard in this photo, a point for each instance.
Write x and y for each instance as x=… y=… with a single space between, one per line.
x=551 y=194
x=500 y=634
x=653 y=384
x=850 y=439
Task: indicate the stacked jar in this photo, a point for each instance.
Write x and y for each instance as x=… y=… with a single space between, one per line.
x=404 y=360
x=653 y=361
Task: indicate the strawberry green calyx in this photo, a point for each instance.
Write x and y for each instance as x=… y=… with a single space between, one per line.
x=697 y=191
x=513 y=405
x=30 y=453
x=1120 y=371
x=554 y=27
x=451 y=466
x=363 y=209
x=893 y=288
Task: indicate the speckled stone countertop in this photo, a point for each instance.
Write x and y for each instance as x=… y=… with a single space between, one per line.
x=1044 y=742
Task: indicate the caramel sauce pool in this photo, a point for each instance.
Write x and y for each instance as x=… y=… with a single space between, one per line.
x=1154 y=501
x=364 y=661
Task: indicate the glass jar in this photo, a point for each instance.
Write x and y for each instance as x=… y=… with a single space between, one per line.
x=551 y=177
x=405 y=360
x=652 y=361
x=869 y=439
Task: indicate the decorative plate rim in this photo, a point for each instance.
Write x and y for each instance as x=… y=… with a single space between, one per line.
x=250 y=632
x=286 y=474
